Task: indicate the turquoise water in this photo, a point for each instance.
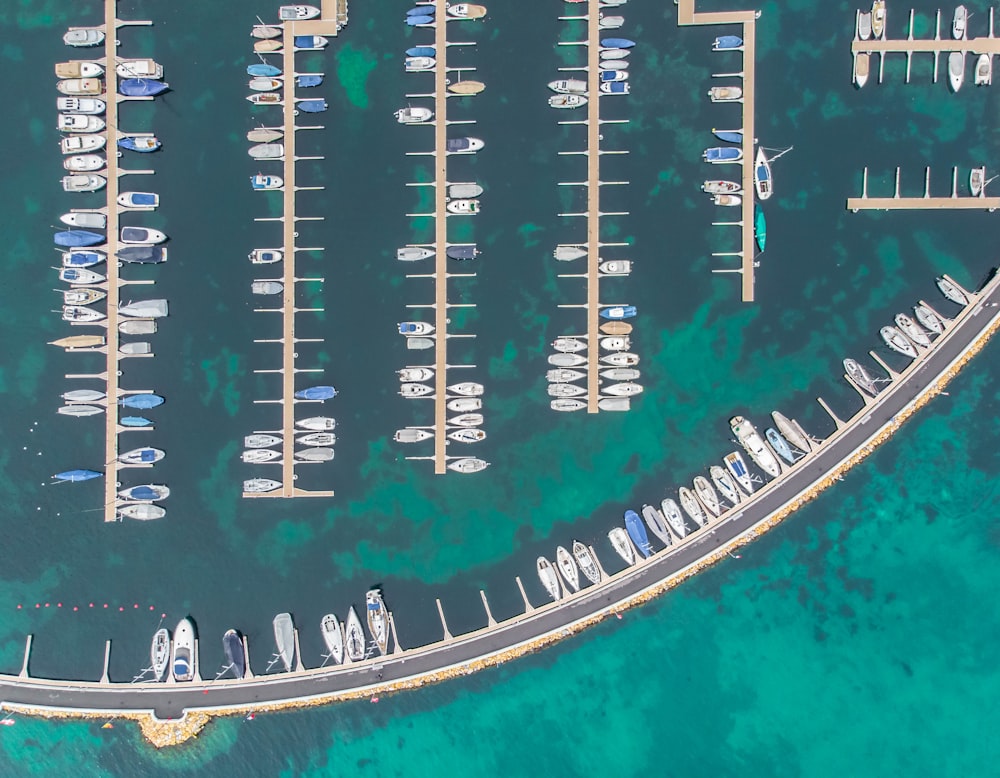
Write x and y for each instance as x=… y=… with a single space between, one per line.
x=853 y=639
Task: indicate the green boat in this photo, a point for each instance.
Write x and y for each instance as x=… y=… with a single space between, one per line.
x=760 y=228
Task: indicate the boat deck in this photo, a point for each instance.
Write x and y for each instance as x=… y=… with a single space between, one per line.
x=686 y=15
x=288 y=370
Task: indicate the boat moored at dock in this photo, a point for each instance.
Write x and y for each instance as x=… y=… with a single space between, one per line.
x=182 y=666
x=232 y=647
x=159 y=654
x=898 y=342
x=284 y=639
x=751 y=441
x=378 y=619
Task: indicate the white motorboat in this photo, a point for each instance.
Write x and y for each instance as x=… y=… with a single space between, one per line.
x=78 y=69
x=317 y=439
x=977 y=178
x=569 y=253
x=467 y=389
x=184 y=664
x=83 y=182
x=143 y=200
x=142 y=511
x=259 y=440
x=567 y=360
x=674 y=518
x=416 y=374
x=333 y=636
x=467 y=435
x=548 y=577
x=139 y=68
x=284 y=639
x=984 y=70
x=80 y=86
x=912 y=330
x=141 y=235
x=565 y=390
x=87 y=220
x=84 y=163
x=83 y=37
x=79 y=123
x=159 y=654
x=78 y=144
x=656 y=523
x=569 y=345
x=563 y=375
x=792 y=431
x=861 y=377
x=410 y=435
x=378 y=619
x=726 y=200
x=256 y=456
x=266 y=287
x=260 y=485
x=414 y=343
x=317 y=424
x=567 y=404
x=414 y=115
x=960 y=23
x=468 y=465
x=622 y=545
x=466 y=420
x=692 y=507
x=615 y=343
x=706 y=494
x=354 y=637
x=952 y=291
x=88 y=106
x=615 y=267
x=463 y=207
x=417 y=64
x=754 y=445
x=725 y=94
x=956 y=70
x=297 y=13
x=929 y=318
x=415 y=390
x=569 y=86
x=898 y=342
x=265 y=84
x=724 y=483
x=465 y=404
x=415 y=328
x=567 y=566
x=567 y=101
x=413 y=253
x=626 y=389
x=587 y=562
x=315 y=454
x=738 y=470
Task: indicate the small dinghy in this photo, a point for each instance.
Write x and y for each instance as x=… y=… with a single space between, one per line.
x=618 y=312
x=267 y=46
x=144 y=200
x=722 y=154
x=419 y=344
x=725 y=94
x=135 y=421
x=984 y=70
x=468 y=87
x=309 y=80
x=142 y=87
x=617 y=43
x=265 y=32
x=419 y=20
x=727 y=43
x=144 y=144
x=569 y=253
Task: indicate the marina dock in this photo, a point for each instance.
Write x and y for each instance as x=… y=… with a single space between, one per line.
x=686 y=15
x=327 y=26
x=896 y=202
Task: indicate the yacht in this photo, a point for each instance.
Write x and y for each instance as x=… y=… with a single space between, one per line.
x=415 y=328
x=548 y=577
x=898 y=342
x=626 y=389
x=256 y=456
x=409 y=435
x=468 y=465
x=378 y=619
x=79 y=123
x=960 y=23
x=952 y=291
x=84 y=37
x=751 y=441
x=568 y=568
x=725 y=484
x=569 y=86
x=89 y=106
x=333 y=636
x=467 y=420
x=861 y=377
x=75 y=144
x=675 y=519
x=567 y=404
x=415 y=390
x=929 y=318
x=465 y=404
x=159 y=654
x=467 y=435
x=956 y=70
x=565 y=390
x=184 y=664
x=261 y=441
x=620 y=359
x=569 y=345
x=416 y=375
x=317 y=439
x=738 y=470
x=563 y=359
x=621 y=374
x=284 y=639
x=463 y=145
x=622 y=545
x=413 y=253
x=692 y=507
x=984 y=70
x=792 y=431
x=354 y=637
x=563 y=375
x=84 y=163
x=587 y=562
x=762 y=175
x=144 y=200
x=912 y=330
x=703 y=489
x=656 y=523
x=260 y=485
x=317 y=424
x=467 y=389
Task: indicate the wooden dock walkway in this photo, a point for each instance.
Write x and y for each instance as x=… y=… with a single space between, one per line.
x=686 y=15
x=320 y=26
x=441 y=239
x=926 y=202
x=593 y=206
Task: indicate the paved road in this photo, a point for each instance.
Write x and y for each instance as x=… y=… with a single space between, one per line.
x=171 y=700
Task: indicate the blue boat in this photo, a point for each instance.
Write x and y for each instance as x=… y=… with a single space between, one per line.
x=141 y=402
x=145 y=493
x=263 y=69
x=83 y=259
x=416 y=21
x=615 y=87
x=305 y=81
x=135 y=421
x=309 y=42
x=729 y=136
x=316 y=393
x=142 y=87
x=422 y=10
x=637 y=532
x=726 y=42
x=618 y=312
x=143 y=144
x=723 y=154
x=77 y=475
x=312 y=106
x=617 y=43
x=422 y=51
x=75 y=238
x=612 y=75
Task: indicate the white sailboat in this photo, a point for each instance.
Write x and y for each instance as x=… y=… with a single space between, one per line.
x=547 y=575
